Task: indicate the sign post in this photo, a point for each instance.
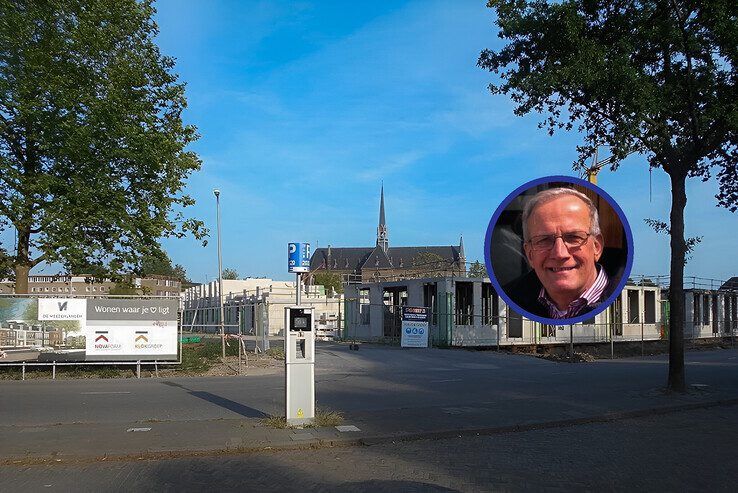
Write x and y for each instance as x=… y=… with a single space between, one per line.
x=414 y=326
x=299 y=345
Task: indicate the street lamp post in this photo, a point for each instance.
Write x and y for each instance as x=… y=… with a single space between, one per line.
x=220 y=273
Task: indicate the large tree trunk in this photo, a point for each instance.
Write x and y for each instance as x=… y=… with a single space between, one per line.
x=21 y=278
x=676 y=380
x=23 y=262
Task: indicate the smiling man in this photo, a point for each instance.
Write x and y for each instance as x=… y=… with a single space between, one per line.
x=563 y=243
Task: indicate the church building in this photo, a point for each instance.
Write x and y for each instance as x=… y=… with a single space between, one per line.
x=382 y=262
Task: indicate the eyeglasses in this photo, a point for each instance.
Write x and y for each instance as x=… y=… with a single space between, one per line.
x=573 y=239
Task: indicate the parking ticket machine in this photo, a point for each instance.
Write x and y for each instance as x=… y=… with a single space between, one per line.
x=299 y=360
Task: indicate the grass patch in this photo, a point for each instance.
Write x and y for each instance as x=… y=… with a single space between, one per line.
x=327 y=418
x=199 y=358
x=323 y=419
x=278 y=422
x=276 y=352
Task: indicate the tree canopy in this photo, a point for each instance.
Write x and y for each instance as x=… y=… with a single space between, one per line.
x=93 y=148
x=229 y=273
x=329 y=280
x=162 y=266
x=477 y=269
x=654 y=77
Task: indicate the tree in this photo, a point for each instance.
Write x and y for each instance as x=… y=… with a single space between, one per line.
x=430 y=264
x=654 y=77
x=329 y=280
x=162 y=266
x=229 y=273
x=93 y=155
x=477 y=269
x=127 y=287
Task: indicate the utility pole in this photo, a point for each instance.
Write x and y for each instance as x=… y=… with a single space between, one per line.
x=220 y=274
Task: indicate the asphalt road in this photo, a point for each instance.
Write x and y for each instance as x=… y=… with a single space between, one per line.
x=684 y=451
x=470 y=388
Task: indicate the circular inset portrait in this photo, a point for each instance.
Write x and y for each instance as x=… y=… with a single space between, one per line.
x=559 y=250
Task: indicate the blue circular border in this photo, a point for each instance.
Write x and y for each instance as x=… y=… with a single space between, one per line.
x=542 y=181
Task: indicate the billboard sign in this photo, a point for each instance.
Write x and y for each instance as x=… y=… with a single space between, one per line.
x=298 y=257
x=132 y=329
x=414 y=326
x=77 y=329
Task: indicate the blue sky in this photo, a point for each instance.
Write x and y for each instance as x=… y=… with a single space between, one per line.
x=306 y=107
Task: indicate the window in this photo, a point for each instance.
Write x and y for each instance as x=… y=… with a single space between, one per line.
x=633 y=306
x=706 y=309
x=464 y=303
x=649 y=306
x=696 y=312
x=364 y=306
x=514 y=324
x=490 y=305
x=548 y=330
x=430 y=292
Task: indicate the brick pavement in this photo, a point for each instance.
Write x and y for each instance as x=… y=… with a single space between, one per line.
x=694 y=450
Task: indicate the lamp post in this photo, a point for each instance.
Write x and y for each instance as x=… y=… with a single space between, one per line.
x=220 y=273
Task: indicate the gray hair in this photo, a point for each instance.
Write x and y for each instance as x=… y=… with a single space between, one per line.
x=547 y=195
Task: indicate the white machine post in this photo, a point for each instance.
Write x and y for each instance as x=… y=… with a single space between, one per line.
x=299 y=360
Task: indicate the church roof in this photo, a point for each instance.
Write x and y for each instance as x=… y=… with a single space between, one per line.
x=357 y=258
x=381 y=256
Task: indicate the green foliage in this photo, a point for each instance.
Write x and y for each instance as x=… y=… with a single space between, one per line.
x=198 y=358
x=125 y=287
x=329 y=280
x=229 y=273
x=93 y=157
x=653 y=77
x=161 y=265
x=477 y=269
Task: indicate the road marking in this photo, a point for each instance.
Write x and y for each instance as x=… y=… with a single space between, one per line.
x=345 y=428
x=449 y=380
x=102 y=393
x=137 y=429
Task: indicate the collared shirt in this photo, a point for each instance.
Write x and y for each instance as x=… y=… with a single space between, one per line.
x=588 y=298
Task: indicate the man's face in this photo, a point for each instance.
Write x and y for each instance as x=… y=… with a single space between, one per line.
x=565 y=272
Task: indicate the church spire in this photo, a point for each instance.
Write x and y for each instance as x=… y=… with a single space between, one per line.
x=382 y=238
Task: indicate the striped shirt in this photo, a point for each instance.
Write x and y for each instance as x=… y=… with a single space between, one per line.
x=589 y=298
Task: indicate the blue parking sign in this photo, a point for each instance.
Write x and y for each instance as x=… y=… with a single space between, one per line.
x=298 y=257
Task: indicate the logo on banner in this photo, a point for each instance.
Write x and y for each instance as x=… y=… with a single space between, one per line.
x=102 y=343
x=142 y=341
x=62 y=309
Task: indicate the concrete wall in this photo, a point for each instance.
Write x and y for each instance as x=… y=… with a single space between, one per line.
x=480 y=332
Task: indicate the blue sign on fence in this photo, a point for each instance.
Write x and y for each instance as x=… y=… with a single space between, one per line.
x=298 y=257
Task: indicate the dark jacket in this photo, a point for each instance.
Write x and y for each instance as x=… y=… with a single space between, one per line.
x=525 y=290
